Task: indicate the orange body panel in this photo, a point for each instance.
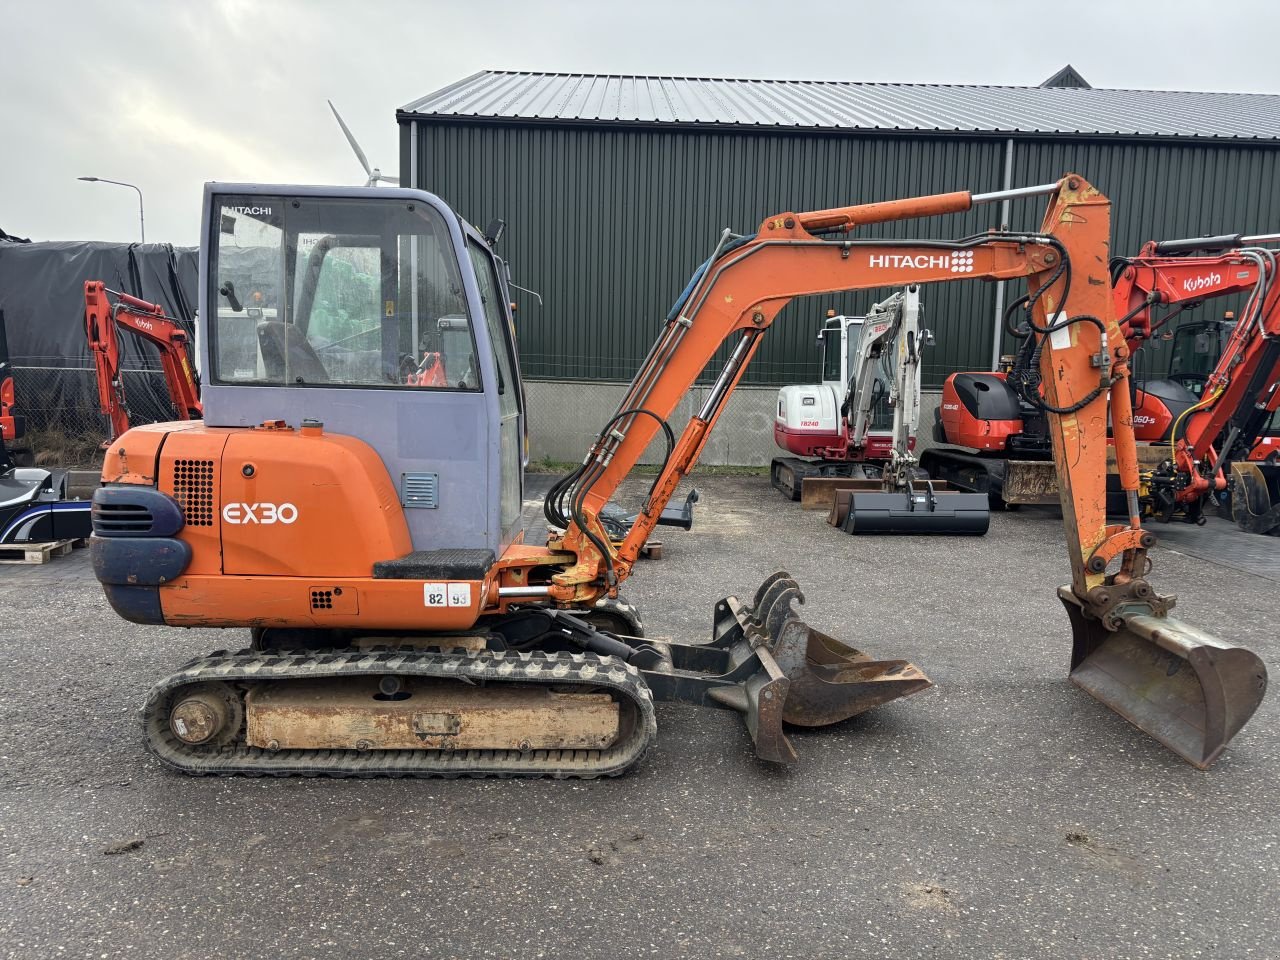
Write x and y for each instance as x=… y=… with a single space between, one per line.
x=275 y=515
x=319 y=505
x=360 y=603
x=189 y=473
x=135 y=456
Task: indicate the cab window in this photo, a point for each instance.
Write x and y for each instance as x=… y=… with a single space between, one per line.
x=495 y=318
x=338 y=292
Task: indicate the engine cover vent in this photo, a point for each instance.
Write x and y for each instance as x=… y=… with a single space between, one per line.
x=420 y=490
x=193 y=489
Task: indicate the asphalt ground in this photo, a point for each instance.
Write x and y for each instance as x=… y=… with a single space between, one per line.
x=1001 y=814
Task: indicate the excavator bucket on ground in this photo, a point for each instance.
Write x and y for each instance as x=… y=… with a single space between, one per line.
x=920 y=509
x=1187 y=689
x=1255 y=496
x=773 y=668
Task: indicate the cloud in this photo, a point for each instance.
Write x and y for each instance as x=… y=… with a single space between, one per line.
x=171 y=94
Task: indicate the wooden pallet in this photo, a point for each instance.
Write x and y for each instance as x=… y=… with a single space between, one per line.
x=38 y=552
x=652 y=550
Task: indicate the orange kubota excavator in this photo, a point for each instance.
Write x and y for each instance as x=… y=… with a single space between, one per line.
x=1238 y=396
x=368 y=528
x=149 y=322
x=1184 y=414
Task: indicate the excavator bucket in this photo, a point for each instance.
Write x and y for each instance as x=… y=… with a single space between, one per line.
x=1187 y=689
x=775 y=669
x=918 y=510
x=1255 y=496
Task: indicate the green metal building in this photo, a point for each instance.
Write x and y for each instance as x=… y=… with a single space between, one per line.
x=614 y=188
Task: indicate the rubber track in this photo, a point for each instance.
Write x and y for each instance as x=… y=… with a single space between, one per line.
x=559 y=669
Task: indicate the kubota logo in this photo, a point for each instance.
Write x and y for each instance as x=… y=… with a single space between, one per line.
x=1192 y=284
x=143 y=324
x=259 y=513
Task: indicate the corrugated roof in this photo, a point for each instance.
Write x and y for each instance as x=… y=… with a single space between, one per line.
x=826 y=104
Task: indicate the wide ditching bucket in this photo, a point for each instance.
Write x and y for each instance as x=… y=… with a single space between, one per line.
x=919 y=509
x=771 y=666
x=1187 y=689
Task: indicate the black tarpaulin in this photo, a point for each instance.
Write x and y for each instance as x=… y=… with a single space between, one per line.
x=42 y=307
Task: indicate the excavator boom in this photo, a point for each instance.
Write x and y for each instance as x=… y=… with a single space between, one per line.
x=1079 y=357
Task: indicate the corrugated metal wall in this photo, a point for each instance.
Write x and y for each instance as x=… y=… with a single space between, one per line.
x=607 y=223
x=1162 y=192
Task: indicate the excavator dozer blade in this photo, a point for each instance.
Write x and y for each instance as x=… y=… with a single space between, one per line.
x=1255 y=496
x=771 y=666
x=1186 y=688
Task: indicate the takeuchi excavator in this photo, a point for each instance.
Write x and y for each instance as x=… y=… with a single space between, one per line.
x=813 y=421
x=368 y=529
x=903 y=499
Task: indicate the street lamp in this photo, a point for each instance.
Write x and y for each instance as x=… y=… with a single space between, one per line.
x=119 y=183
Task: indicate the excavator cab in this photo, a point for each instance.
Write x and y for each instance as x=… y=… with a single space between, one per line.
x=384 y=317
x=1197 y=346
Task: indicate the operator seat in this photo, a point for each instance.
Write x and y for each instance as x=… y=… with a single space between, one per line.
x=279 y=340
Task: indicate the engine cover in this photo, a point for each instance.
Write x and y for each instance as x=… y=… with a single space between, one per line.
x=807 y=420
x=979 y=411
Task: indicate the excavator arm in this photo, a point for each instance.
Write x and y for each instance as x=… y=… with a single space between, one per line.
x=149 y=322
x=1125 y=646
x=879 y=330
x=733 y=300
x=1237 y=391
x=1153 y=278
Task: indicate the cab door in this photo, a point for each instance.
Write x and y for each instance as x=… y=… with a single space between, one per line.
x=497 y=318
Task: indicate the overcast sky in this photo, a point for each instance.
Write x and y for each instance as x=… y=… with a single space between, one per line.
x=170 y=94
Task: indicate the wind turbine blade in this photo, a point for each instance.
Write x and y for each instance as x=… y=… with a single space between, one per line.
x=385 y=179
x=352 y=140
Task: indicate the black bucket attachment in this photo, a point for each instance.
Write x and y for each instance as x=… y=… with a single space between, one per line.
x=919 y=509
x=1255 y=496
x=768 y=664
x=1187 y=689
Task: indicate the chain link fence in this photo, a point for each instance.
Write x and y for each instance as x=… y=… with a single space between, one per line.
x=64 y=423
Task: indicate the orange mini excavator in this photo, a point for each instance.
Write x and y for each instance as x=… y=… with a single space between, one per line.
x=149 y=322
x=1222 y=375
x=367 y=526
